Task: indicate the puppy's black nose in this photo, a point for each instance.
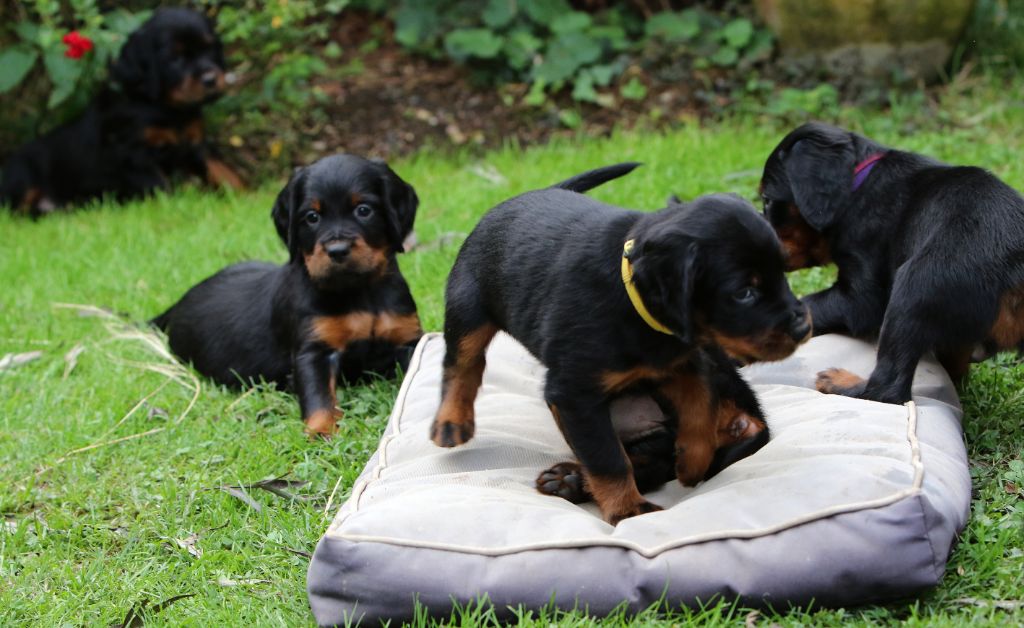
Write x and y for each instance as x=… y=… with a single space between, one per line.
x=209 y=79
x=801 y=324
x=337 y=250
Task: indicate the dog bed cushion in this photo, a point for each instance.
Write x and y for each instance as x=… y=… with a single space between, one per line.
x=851 y=501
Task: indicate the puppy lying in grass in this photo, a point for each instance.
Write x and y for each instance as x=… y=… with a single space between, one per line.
x=613 y=301
x=338 y=309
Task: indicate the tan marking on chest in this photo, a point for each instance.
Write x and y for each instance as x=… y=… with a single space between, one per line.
x=339 y=331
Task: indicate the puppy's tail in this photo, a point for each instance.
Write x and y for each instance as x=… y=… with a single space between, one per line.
x=593 y=178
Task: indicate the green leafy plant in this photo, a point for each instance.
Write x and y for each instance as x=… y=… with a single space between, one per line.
x=38 y=45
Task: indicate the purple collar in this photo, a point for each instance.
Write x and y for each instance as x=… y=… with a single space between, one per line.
x=863 y=169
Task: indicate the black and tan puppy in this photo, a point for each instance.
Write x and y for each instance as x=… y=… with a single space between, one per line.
x=339 y=308
x=930 y=256
x=145 y=126
x=613 y=301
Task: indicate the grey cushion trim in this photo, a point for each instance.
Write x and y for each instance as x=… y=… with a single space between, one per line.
x=440 y=523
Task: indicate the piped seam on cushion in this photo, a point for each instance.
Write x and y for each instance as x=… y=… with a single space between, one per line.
x=394 y=419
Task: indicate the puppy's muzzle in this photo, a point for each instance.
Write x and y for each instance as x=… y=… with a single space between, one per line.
x=338 y=250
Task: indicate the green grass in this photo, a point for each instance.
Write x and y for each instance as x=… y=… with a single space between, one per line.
x=91 y=534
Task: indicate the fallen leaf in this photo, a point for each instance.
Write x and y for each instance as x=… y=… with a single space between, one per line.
x=751 y=619
x=242 y=495
x=134 y=617
x=189 y=544
x=960 y=570
x=14 y=360
x=228 y=582
x=71 y=359
x=156 y=412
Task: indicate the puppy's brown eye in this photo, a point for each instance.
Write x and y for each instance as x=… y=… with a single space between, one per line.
x=363 y=211
x=312 y=218
x=746 y=296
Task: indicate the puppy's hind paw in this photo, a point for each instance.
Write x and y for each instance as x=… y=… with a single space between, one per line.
x=564 y=480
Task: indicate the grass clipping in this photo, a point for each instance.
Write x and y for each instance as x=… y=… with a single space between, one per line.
x=164 y=363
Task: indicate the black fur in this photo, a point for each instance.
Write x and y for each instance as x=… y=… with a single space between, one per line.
x=144 y=127
x=545 y=267
x=338 y=309
x=930 y=256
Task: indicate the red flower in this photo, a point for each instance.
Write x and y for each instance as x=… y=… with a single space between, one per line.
x=77 y=45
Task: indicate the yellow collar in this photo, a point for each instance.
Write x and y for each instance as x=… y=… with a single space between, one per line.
x=634 y=294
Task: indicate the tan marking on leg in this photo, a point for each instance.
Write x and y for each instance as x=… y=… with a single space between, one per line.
x=618 y=498
x=697 y=434
x=219 y=174
x=322 y=423
x=454 y=423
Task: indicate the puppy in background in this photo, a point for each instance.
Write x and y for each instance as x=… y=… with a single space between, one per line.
x=338 y=309
x=142 y=129
x=930 y=256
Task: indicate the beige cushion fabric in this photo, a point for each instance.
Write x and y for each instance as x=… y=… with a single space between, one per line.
x=829 y=456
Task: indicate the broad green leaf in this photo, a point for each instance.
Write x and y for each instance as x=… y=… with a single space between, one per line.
x=544 y=12
x=565 y=55
x=15 y=62
x=64 y=74
x=472 y=42
x=633 y=90
x=725 y=56
x=519 y=48
x=28 y=32
x=673 y=27
x=583 y=88
x=499 y=13
x=571 y=22
x=738 y=32
x=603 y=74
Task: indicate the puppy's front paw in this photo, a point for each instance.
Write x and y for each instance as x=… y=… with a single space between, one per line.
x=321 y=424
x=839 y=382
x=564 y=480
x=450 y=434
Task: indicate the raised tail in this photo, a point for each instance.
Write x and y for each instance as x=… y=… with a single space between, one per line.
x=593 y=178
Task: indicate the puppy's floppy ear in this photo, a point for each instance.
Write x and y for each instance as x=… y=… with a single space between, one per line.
x=819 y=165
x=137 y=68
x=401 y=201
x=665 y=267
x=288 y=202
